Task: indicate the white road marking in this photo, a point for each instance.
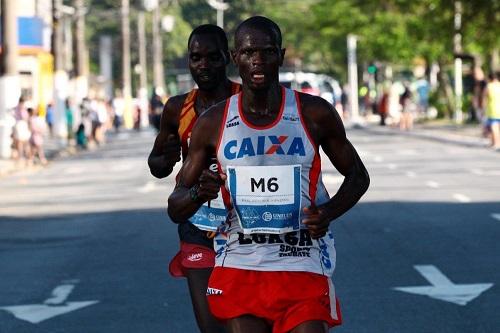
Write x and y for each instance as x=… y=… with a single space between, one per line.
x=478 y=172
x=392 y=166
x=432 y=184
x=51 y=307
x=496 y=216
x=332 y=180
x=443 y=289
x=407 y=152
x=411 y=174
x=60 y=294
x=74 y=170
x=378 y=159
x=461 y=198
x=149 y=187
x=122 y=167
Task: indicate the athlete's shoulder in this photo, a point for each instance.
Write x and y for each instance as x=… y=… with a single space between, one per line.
x=175 y=103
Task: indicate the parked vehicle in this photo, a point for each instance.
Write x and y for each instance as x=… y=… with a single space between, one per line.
x=314 y=84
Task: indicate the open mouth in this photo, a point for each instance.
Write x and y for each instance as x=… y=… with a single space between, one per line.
x=258 y=77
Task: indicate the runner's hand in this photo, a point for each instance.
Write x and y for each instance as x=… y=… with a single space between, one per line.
x=209 y=185
x=171 y=150
x=316 y=222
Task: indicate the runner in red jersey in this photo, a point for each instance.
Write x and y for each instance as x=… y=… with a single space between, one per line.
x=208 y=56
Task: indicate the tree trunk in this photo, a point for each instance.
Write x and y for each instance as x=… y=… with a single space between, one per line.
x=445 y=89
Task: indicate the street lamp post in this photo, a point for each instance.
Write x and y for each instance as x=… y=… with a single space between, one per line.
x=220 y=6
x=457 y=42
x=126 y=71
x=352 y=71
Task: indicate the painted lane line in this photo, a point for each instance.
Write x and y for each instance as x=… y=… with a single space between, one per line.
x=477 y=172
x=411 y=174
x=392 y=166
x=443 y=289
x=461 y=198
x=496 y=216
x=332 y=180
x=149 y=187
x=432 y=184
x=407 y=152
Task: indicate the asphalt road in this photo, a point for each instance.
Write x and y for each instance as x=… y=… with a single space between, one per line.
x=85 y=242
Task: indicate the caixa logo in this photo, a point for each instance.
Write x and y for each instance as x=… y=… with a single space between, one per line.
x=264 y=145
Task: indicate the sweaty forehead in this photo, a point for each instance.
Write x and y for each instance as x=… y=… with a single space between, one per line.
x=252 y=35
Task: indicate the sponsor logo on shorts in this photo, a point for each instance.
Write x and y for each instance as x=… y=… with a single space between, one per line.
x=213 y=291
x=195 y=257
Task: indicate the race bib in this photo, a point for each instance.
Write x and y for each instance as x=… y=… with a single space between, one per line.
x=267 y=199
x=213 y=213
x=210 y=215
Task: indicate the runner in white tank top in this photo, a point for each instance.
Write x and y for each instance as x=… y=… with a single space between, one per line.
x=273 y=273
x=273 y=172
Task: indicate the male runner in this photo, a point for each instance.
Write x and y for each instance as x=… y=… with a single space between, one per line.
x=208 y=56
x=273 y=273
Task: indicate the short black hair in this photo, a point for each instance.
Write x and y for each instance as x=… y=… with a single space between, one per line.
x=211 y=29
x=260 y=23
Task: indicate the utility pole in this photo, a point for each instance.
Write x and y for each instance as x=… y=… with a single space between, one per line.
x=126 y=72
x=352 y=72
x=158 y=74
x=82 y=85
x=143 y=79
x=9 y=79
x=457 y=45
x=60 y=75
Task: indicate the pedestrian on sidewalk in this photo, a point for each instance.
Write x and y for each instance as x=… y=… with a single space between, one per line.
x=406 y=121
x=21 y=133
x=38 y=128
x=493 y=109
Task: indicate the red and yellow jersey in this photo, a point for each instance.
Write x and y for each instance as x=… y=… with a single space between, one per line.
x=188 y=117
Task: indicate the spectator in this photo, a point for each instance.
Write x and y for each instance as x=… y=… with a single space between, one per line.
x=38 y=128
x=493 y=109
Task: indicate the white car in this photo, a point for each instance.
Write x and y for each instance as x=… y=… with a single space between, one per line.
x=314 y=84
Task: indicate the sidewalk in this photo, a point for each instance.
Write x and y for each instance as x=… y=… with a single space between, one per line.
x=53 y=150
x=469 y=135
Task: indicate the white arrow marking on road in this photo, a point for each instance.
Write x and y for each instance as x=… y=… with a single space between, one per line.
x=496 y=216
x=461 y=198
x=432 y=184
x=149 y=187
x=52 y=307
x=443 y=289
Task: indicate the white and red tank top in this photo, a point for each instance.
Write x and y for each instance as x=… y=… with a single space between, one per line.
x=273 y=172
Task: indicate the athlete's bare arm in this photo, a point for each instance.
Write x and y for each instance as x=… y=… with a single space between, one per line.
x=197 y=184
x=167 y=147
x=327 y=130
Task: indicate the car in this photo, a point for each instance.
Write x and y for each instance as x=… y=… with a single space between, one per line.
x=314 y=84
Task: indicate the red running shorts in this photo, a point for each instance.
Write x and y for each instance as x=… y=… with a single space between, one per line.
x=284 y=299
x=191 y=256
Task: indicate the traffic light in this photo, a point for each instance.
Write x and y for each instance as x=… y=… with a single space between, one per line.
x=372 y=69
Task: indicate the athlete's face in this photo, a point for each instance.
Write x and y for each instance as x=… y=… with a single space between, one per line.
x=207 y=61
x=258 y=57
